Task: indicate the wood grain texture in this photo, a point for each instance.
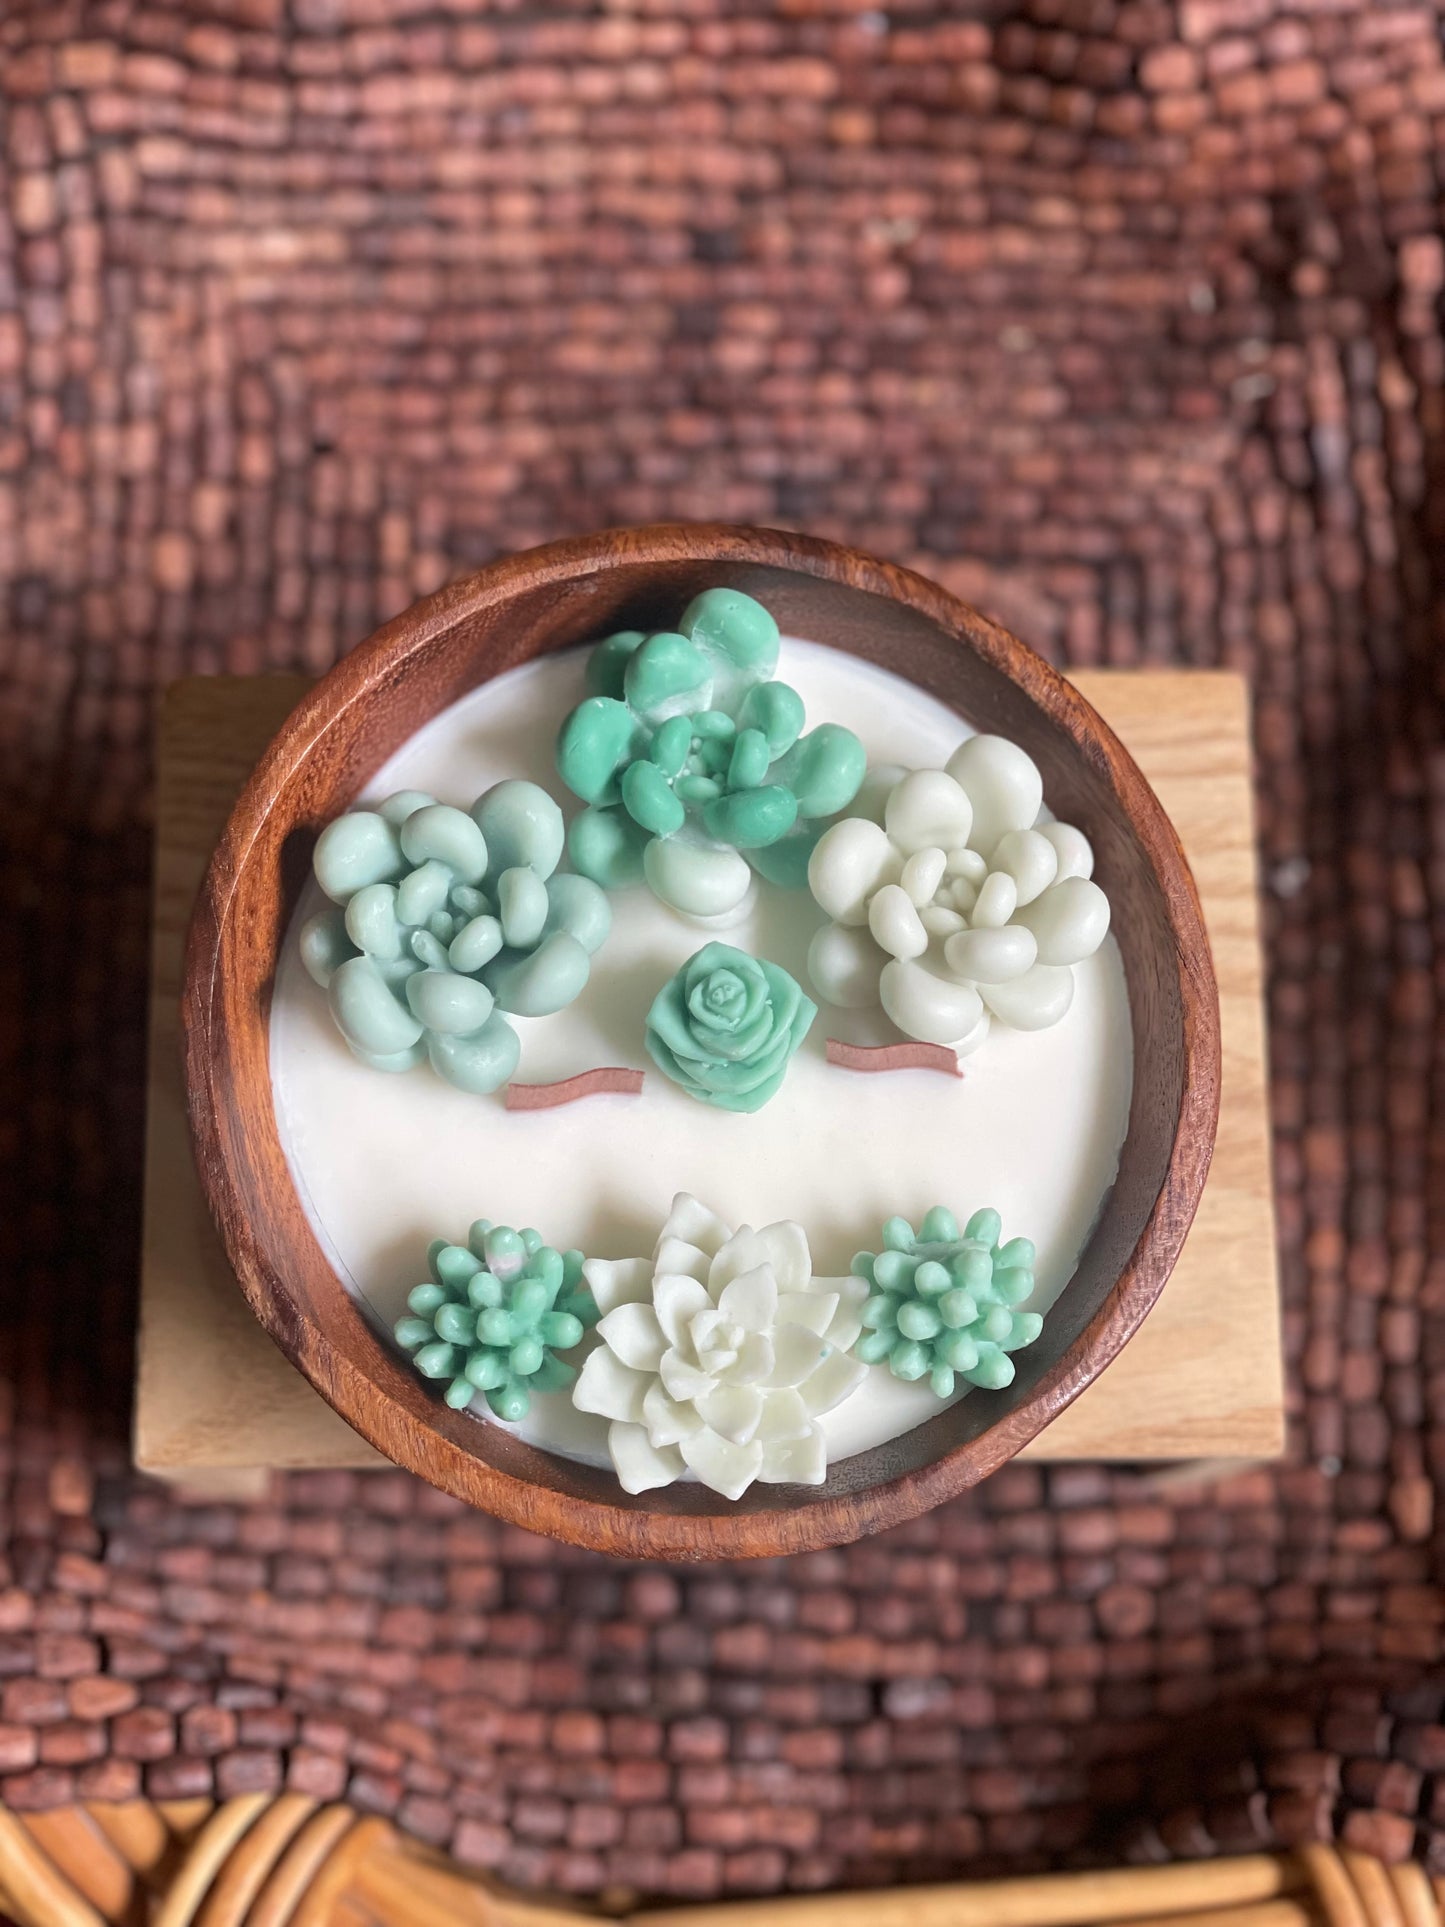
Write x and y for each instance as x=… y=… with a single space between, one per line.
x=1204 y=1375
x=548 y=599
x=215 y=1399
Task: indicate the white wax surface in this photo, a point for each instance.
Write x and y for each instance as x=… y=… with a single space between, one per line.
x=384 y=1164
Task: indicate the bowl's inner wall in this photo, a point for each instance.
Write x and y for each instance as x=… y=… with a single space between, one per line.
x=452 y=657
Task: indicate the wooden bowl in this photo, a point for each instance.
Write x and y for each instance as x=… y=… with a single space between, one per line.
x=564 y=594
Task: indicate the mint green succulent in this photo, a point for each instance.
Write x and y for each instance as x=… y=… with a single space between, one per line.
x=727 y=1026
x=685 y=734
x=494 y=1315
x=942 y=1304
x=448 y=922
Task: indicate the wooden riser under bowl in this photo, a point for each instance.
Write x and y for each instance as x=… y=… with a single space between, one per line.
x=217 y=1405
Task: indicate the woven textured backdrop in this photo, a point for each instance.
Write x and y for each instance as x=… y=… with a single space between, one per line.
x=1120 y=317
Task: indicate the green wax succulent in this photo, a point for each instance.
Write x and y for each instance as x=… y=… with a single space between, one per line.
x=685 y=735
x=942 y=1303
x=727 y=1026
x=494 y=1315
x=448 y=919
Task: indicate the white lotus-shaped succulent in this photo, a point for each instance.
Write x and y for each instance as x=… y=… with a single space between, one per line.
x=719 y=1354
x=954 y=901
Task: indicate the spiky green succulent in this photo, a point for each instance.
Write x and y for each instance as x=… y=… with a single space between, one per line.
x=942 y=1304
x=494 y=1315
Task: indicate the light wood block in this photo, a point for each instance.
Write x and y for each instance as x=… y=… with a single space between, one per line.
x=217 y=1406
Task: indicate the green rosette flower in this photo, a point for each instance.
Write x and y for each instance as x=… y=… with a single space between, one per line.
x=942 y=1302
x=493 y=1316
x=447 y=923
x=727 y=1026
x=694 y=764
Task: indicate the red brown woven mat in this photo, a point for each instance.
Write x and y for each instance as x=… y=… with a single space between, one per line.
x=1120 y=317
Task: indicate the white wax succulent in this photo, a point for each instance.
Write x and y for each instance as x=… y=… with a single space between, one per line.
x=719 y=1354
x=952 y=902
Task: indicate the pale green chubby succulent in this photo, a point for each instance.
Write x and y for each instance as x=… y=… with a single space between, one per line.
x=942 y=1302
x=449 y=921
x=493 y=1316
x=693 y=762
x=727 y=1026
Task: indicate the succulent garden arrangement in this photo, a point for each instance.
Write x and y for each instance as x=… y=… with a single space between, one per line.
x=949 y=897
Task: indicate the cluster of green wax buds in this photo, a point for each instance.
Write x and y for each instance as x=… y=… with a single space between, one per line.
x=687 y=753
x=493 y=1316
x=942 y=1304
x=448 y=918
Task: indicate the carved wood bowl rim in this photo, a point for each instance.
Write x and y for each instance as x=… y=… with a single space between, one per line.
x=564 y=593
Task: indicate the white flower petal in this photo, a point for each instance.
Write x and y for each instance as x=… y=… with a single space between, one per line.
x=733 y=1411
x=691 y=1221
x=618 y=1281
x=726 y=1468
x=787 y=1247
x=640 y=1465
x=847 y=1321
x=720 y=1360
x=814 y=1309
x=796 y=1353
x=744 y=1251
x=754 y=1360
x=666 y=1420
x=836 y=1378
x=703 y=1327
x=785 y=1417
x=634 y=1333
x=801 y=1461
x=751 y=1300
x=681 y=1379
x=608 y=1386
x=677 y=1255
x=678 y=1299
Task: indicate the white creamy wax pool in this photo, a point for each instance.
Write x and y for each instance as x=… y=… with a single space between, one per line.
x=386 y=1163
